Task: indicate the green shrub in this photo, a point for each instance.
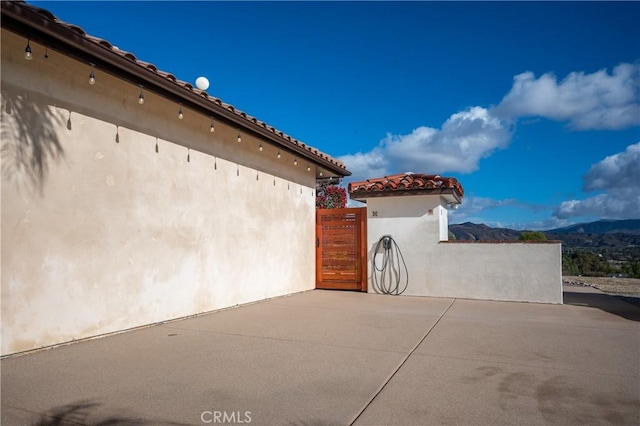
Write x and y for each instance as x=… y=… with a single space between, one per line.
x=632 y=269
x=585 y=263
x=533 y=236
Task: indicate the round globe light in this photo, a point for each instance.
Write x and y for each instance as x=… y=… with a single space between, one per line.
x=202 y=83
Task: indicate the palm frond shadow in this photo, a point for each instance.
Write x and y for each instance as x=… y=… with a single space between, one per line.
x=30 y=142
x=85 y=413
x=79 y=413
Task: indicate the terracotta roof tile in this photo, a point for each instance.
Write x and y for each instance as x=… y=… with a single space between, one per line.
x=46 y=13
x=100 y=41
x=149 y=66
x=75 y=28
x=130 y=56
x=186 y=85
x=405 y=182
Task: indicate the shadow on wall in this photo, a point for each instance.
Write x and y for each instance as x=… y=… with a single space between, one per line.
x=81 y=413
x=29 y=138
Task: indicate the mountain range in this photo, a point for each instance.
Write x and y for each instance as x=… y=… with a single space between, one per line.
x=603 y=233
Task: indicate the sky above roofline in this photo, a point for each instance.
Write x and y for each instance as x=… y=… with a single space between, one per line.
x=532 y=106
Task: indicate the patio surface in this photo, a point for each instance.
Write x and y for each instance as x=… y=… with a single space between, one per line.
x=339 y=358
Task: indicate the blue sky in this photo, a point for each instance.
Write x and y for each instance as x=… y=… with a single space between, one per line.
x=534 y=107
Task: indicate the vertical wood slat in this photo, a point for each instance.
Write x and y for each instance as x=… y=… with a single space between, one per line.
x=341 y=252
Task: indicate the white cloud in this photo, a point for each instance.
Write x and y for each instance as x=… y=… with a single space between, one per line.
x=458 y=146
x=617 y=171
x=472 y=205
x=619 y=177
x=366 y=165
x=540 y=225
x=587 y=101
x=473 y=208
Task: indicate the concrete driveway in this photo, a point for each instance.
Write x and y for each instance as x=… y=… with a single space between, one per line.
x=338 y=358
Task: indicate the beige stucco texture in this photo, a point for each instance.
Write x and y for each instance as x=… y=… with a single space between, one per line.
x=101 y=233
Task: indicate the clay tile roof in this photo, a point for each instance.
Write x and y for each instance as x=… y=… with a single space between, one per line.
x=76 y=28
x=100 y=41
x=405 y=182
x=46 y=13
x=146 y=66
x=185 y=85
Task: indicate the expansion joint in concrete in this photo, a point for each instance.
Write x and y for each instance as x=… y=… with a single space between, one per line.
x=392 y=375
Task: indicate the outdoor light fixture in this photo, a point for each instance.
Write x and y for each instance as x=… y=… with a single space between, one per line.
x=46 y=52
x=320 y=174
x=27 y=51
x=239 y=137
x=92 y=75
x=141 y=97
x=180 y=113
x=212 y=129
x=260 y=148
x=295 y=161
x=309 y=168
x=278 y=155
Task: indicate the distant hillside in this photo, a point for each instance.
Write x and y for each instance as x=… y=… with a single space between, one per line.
x=601 y=234
x=631 y=226
x=471 y=231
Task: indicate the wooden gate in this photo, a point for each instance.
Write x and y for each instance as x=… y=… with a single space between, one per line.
x=341 y=249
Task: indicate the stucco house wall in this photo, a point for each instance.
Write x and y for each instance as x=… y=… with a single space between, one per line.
x=102 y=233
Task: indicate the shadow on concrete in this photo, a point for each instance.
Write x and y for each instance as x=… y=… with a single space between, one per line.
x=611 y=304
x=30 y=141
x=84 y=413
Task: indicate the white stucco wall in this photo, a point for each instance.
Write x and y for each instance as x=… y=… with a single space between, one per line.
x=527 y=272
x=514 y=271
x=414 y=224
x=114 y=235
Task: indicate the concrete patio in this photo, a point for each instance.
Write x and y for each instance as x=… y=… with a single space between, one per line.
x=338 y=358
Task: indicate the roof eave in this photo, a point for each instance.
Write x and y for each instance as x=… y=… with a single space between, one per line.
x=39 y=28
x=450 y=194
